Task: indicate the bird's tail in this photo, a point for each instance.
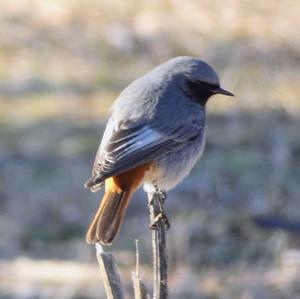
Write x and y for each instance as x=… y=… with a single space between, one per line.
x=109 y=217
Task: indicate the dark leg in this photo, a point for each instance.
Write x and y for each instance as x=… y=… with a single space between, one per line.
x=158 y=199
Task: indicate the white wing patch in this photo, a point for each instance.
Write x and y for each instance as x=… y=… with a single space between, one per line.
x=132 y=143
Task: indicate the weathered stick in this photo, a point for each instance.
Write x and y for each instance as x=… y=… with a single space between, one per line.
x=110 y=274
x=109 y=271
x=158 y=225
x=140 y=290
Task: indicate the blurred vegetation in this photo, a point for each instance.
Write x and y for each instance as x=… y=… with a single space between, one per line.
x=235 y=219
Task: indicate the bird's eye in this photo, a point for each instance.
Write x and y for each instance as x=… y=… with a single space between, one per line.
x=200 y=91
x=203 y=85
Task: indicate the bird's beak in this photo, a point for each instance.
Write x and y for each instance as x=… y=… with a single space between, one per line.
x=223 y=91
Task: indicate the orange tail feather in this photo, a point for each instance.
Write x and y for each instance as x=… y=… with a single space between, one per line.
x=109 y=217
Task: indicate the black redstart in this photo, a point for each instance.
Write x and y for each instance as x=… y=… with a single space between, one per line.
x=154 y=136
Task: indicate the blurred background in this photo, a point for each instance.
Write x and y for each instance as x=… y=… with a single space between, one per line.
x=235 y=222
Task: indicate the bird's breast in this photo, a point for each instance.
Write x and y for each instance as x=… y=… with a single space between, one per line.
x=169 y=170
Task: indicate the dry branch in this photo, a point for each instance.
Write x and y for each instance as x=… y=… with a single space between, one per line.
x=109 y=273
x=140 y=290
x=159 y=250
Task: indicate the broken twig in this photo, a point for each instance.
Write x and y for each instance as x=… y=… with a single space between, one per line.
x=158 y=223
x=140 y=290
x=110 y=274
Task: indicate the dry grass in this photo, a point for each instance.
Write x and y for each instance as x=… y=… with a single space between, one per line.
x=76 y=50
x=61 y=279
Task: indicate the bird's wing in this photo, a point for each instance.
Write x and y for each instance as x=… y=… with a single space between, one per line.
x=136 y=144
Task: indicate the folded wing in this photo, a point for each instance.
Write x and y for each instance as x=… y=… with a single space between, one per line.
x=136 y=144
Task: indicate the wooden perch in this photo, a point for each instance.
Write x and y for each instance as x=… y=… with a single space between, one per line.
x=110 y=274
x=109 y=271
x=158 y=224
x=140 y=290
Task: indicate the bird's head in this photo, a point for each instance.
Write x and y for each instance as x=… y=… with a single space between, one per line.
x=197 y=79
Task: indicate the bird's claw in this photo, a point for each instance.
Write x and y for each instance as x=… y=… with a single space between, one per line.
x=160 y=197
x=160 y=217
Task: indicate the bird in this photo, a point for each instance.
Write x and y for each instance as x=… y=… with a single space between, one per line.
x=154 y=136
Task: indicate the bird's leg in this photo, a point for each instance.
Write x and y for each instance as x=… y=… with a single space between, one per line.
x=157 y=191
x=160 y=197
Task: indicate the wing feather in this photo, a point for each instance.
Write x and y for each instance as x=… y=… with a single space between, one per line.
x=136 y=144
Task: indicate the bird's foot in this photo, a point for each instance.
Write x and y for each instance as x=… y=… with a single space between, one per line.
x=160 y=197
x=160 y=217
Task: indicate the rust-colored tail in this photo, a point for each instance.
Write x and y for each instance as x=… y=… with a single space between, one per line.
x=109 y=217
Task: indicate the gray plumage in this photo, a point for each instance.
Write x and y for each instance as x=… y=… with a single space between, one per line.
x=159 y=117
